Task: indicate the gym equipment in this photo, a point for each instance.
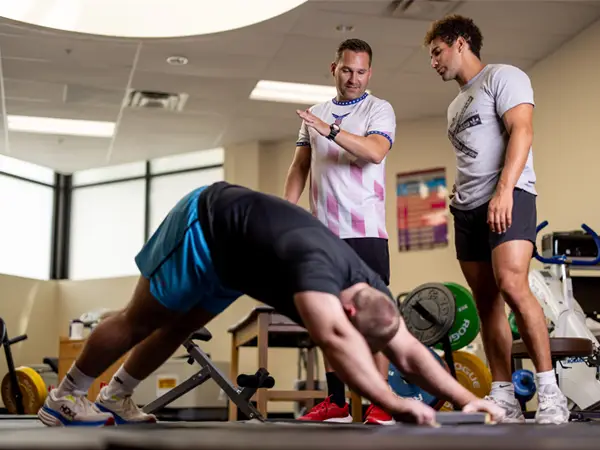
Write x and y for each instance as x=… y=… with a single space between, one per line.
x=23 y=389
x=429 y=312
x=466 y=324
x=32 y=388
x=552 y=286
x=514 y=329
x=404 y=388
x=460 y=418
x=431 y=319
x=472 y=373
x=241 y=397
x=524 y=384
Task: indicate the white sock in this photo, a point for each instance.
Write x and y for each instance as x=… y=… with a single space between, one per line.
x=74 y=382
x=503 y=390
x=546 y=378
x=121 y=384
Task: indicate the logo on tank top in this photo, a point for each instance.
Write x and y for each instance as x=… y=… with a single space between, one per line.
x=459 y=124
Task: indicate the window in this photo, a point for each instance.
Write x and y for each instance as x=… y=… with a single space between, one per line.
x=167 y=190
x=25 y=228
x=204 y=158
x=110 y=173
x=107 y=229
x=26 y=170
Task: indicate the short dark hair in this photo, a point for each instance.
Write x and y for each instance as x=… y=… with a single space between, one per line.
x=377 y=317
x=354 y=45
x=454 y=26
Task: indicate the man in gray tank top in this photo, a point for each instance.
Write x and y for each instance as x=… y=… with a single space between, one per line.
x=490 y=126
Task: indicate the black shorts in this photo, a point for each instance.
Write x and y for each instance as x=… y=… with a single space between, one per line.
x=473 y=239
x=375 y=253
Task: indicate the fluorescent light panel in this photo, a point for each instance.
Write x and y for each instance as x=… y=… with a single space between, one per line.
x=284 y=92
x=50 y=125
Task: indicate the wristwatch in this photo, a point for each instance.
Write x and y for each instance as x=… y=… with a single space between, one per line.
x=334 y=129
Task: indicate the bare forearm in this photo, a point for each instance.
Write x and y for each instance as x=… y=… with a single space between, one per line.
x=418 y=365
x=353 y=362
x=516 y=156
x=294 y=185
x=360 y=146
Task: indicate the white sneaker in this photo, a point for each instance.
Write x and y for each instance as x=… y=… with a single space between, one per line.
x=72 y=410
x=124 y=409
x=552 y=406
x=512 y=410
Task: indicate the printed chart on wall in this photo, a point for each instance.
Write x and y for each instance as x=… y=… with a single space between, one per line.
x=421 y=206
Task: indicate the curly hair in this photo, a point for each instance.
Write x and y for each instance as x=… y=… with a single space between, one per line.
x=454 y=26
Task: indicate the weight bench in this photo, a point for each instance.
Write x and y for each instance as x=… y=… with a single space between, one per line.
x=241 y=397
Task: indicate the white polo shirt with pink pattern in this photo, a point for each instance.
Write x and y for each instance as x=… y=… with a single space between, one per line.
x=348 y=194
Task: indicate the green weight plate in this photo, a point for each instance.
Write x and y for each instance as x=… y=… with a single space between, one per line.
x=513 y=326
x=466 y=324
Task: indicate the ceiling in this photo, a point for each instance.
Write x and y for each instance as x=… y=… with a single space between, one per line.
x=59 y=74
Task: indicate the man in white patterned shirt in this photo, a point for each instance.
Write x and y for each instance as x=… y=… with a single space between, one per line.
x=343 y=143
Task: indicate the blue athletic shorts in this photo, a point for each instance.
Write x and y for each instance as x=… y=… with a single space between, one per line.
x=177 y=262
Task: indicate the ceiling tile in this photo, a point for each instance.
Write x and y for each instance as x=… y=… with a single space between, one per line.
x=90 y=80
x=531 y=17
x=69 y=52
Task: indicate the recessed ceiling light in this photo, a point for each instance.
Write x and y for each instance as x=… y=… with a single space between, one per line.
x=280 y=91
x=344 y=28
x=51 y=125
x=177 y=60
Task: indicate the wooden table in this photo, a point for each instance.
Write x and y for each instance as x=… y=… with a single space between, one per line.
x=264 y=328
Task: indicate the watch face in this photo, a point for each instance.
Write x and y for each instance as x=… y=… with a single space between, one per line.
x=335 y=126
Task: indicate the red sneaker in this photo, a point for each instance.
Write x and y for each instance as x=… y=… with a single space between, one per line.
x=376 y=415
x=327 y=411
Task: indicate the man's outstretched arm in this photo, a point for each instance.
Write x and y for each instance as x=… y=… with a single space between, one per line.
x=344 y=347
x=420 y=367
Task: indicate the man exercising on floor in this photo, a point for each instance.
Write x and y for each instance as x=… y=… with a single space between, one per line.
x=218 y=243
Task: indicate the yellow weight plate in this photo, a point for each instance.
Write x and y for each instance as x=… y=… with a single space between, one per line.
x=447 y=406
x=472 y=373
x=33 y=388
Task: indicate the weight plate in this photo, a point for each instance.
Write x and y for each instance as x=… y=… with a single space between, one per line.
x=447 y=406
x=403 y=388
x=524 y=383
x=472 y=373
x=515 y=329
x=429 y=312
x=466 y=325
x=513 y=326
x=33 y=389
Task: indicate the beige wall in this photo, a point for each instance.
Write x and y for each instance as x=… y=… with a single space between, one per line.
x=566 y=157
x=29 y=307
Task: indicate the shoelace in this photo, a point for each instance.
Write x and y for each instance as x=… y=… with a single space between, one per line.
x=547 y=400
x=82 y=402
x=323 y=406
x=129 y=406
